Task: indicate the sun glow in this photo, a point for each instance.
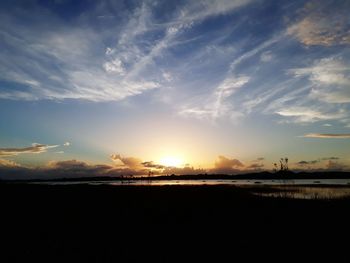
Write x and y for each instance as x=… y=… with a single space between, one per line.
x=171 y=161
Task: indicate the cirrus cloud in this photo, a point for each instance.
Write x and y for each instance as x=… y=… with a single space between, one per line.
x=35 y=148
x=328 y=135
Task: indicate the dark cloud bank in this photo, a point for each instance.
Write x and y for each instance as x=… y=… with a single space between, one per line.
x=123 y=166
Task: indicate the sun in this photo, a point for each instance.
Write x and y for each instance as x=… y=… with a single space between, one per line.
x=171 y=161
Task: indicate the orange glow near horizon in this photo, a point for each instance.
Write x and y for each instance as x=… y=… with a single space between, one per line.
x=171 y=161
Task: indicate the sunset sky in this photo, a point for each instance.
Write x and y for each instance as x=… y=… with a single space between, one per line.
x=225 y=85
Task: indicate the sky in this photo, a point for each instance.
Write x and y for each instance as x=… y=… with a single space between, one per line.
x=113 y=87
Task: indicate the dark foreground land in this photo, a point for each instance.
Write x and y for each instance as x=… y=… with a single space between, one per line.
x=83 y=223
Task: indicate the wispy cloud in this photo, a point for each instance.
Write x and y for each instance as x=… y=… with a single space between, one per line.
x=308 y=114
x=266 y=56
x=76 y=61
x=219 y=102
x=217 y=106
x=328 y=135
x=256 y=50
x=206 y=72
x=331 y=79
x=199 y=10
x=35 y=148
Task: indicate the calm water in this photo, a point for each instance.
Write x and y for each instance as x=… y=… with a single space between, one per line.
x=210 y=182
x=297 y=189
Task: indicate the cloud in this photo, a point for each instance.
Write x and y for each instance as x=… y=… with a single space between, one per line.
x=220 y=102
x=187 y=170
x=217 y=105
x=331 y=79
x=230 y=85
x=114 y=66
x=323 y=24
x=59 y=60
x=308 y=114
x=329 y=163
x=129 y=162
x=151 y=164
x=304 y=163
x=333 y=165
x=70 y=164
x=331 y=158
x=35 y=148
x=64 y=60
x=273 y=40
x=224 y=162
x=256 y=166
x=328 y=135
x=266 y=56
x=319 y=92
x=8 y=163
x=208 y=73
x=226 y=165
x=167 y=76
x=199 y=10
x=325 y=71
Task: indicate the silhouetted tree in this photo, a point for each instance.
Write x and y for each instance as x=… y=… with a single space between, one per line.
x=283 y=164
x=275 y=167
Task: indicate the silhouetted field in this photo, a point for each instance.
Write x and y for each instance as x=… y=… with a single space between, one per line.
x=167 y=224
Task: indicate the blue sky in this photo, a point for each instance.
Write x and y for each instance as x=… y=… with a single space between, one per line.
x=241 y=79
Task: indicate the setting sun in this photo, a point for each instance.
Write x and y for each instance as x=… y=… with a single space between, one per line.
x=171 y=161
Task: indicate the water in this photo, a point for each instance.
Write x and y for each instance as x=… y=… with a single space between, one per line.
x=207 y=182
x=296 y=189
x=213 y=182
